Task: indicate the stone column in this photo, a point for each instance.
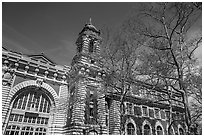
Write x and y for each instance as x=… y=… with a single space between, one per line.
x=51 y=126
x=7 y=84
x=79 y=107
x=114 y=117
x=101 y=112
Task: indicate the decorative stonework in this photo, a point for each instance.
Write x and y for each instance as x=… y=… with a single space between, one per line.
x=114 y=116
x=14 y=90
x=79 y=103
x=130 y=120
x=70 y=108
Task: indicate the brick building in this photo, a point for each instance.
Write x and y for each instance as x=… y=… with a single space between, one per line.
x=42 y=97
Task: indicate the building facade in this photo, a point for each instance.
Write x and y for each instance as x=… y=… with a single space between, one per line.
x=40 y=97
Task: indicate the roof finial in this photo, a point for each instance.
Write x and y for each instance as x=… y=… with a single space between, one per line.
x=90 y=21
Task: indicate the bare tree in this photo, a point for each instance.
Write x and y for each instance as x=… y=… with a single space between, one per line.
x=193 y=82
x=120 y=58
x=168 y=51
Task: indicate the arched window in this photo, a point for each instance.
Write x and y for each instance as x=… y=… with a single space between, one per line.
x=93 y=132
x=170 y=131
x=33 y=101
x=130 y=129
x=159 y=130
x=147 y=130
x=31 y=106
x=181 y=132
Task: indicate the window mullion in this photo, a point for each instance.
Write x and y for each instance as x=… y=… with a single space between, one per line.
x=27 y=100
x=22 y=101
x=39 y=103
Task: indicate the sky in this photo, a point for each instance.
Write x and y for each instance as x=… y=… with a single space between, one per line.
x=52 y=28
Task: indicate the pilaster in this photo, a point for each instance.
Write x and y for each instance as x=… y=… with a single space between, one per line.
x=101 y=111
x=79 y=104
x=7 y=83
x=114 y=117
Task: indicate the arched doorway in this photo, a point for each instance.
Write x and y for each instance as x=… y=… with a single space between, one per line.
x=30 y=112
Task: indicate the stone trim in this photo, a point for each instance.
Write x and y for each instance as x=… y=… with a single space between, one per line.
x=130 y=120
x=24 y=84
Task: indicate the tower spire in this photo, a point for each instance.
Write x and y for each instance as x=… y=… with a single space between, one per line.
x=90 y=21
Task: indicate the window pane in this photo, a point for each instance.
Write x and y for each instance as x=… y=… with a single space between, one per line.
x=7 y=132
x=144 y=109
x=12 y=133
x=25 y=101
x=146 y=130
x=157 y=113
x=15 y=104
x=29 y=120
x=38 y=120
x=48 y=109
x=25 y=119
x=45 y=106
x=159 y=130
x=130 y=129
x=16 y=117
x=46 y=120
x=37 y=103
x=17 y=132
x=20 y=103
x=34 y=119
x=11 y=117
x=21 y=117
x=137 y=111
x=42 y=121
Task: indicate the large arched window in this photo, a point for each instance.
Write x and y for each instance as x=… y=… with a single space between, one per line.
x=33 y=101
x=130 y=129
x=159 y=130
x=30 y=110
x=147 y=130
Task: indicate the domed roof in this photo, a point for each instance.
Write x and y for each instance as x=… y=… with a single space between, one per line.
x=91 y=27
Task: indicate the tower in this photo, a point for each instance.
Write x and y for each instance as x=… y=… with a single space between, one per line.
x=87 y=101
